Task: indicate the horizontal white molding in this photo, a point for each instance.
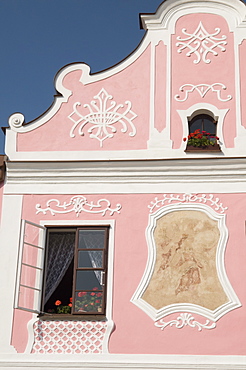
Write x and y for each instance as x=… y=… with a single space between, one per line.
x=120 y=362
x=187 y=175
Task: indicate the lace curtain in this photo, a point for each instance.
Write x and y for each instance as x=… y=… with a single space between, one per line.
x=60 y=255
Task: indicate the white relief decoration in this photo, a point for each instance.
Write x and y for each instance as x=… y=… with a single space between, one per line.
x=103 y=115
x=201 y=43
x=16 y=120
x=69 y=337
x=185 y=198
x=185 y=319
x=78 y=204
x=202 y=89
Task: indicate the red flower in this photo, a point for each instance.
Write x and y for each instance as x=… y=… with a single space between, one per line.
x=184 y=139
x=98 y=301
x=99 y=294
x=70 y=304
x=93 y=293
x=81 y=294
x=95 y=288
x=71 y=299
x=57 y=303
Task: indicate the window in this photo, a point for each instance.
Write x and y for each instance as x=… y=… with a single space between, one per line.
x=203 y=122
x=74 y=263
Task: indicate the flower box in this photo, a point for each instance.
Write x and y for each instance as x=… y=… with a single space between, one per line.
x=203 y=149
x=202 y=141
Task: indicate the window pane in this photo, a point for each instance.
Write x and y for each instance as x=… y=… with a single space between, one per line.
x=88 y=302
x=87 y=280
x=203 y=122
x=91 y=239
x=209 y=126
x=91 y=259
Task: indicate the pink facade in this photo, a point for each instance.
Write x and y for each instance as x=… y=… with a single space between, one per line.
x=166 y=281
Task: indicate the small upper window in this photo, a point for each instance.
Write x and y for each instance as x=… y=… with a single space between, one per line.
x=203 y=122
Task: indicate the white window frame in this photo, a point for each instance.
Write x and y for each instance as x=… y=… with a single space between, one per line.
x=43 y=225
x=203 y=108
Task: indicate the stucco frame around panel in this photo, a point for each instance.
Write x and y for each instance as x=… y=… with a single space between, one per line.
x=233 y=301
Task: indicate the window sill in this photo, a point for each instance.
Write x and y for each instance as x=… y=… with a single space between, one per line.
x=61 y=317
x=209 y=148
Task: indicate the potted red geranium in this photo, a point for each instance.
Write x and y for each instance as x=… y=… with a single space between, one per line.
x=202 y=141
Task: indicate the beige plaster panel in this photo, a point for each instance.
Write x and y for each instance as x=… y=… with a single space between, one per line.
x=185 y=268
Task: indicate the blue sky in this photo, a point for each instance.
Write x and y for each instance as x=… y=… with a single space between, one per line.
x=38 y=37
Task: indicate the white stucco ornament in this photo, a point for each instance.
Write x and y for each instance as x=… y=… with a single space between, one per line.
x=185 y=319
x=201 y=43
x=103 y=115
x=16 y=120
x=78 y=204
x=202 y=90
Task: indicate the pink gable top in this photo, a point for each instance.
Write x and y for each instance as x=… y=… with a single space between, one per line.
x=120 y=100
x=189 y=63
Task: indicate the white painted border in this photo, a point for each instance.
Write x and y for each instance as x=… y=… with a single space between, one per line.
x=185 y=307
x=9 y=243
x=110 y=322
x=203 y=108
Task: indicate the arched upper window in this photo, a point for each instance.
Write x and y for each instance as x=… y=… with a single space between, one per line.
x=203 y=122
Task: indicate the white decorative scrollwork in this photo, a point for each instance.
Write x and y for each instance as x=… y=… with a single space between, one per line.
x=185 y=198
x=16 y=120
x=185 y=319
x=202 y=89
x=201 y=43
x=78 y=204
x=103 y=115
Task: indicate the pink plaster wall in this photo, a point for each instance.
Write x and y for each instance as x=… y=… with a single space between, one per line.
x=134 y=330
x=221 y=69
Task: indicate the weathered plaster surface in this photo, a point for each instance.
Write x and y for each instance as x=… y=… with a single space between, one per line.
x=185 y=269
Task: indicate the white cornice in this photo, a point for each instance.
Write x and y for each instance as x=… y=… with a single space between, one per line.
x=187 y=175
x=122 y=361
x=233 y=10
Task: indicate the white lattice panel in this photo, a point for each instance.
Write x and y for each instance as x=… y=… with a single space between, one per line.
x=68 y=337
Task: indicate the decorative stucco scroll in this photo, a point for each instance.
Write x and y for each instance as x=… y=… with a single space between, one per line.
x=202 y=89
x=185 y=198
x=185 y=271
x=185 y=319
x=201 y=43
x=103 y=116
x=78 y=204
